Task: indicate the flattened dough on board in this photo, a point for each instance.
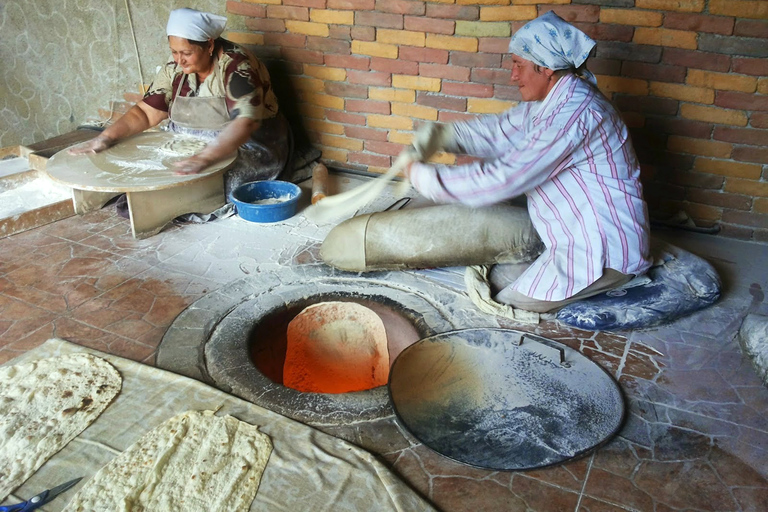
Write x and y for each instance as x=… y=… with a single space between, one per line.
x=194 y=461
x=183 y=147
x=44 y=405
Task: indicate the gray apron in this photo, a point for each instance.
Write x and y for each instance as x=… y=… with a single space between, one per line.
x=262 y=157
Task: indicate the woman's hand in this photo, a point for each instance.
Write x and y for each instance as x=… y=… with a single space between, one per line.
x=191 y=165
x=95 y=145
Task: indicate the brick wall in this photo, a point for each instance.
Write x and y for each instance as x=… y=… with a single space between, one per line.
x=690 y=76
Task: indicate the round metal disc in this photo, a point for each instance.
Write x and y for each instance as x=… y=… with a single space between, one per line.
x=502 y=399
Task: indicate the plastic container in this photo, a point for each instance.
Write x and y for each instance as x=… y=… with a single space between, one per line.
x=246 y=199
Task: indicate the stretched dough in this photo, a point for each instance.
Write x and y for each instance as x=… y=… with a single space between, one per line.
x=183 y=147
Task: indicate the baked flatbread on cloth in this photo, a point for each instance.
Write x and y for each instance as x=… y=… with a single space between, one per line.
x=194 y=462
x=45 y=404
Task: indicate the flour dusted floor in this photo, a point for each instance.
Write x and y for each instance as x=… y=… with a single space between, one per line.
x=696 y=437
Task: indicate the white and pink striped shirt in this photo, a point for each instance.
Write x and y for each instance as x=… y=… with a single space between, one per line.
x=571 y=155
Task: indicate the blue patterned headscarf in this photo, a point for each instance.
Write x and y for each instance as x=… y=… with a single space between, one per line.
x=553 y=43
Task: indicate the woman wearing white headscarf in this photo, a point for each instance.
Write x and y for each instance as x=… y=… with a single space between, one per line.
x=214 y=89
x=567 y=149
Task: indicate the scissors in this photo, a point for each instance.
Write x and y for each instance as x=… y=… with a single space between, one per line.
x=41 y=499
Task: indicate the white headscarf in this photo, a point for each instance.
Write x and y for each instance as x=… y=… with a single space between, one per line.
x=553 y=43
x=195 y=25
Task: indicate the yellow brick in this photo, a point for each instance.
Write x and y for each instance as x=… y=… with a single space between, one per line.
x=324 y=127
x=699 y=147
x=746 y=187
x=633 y=17
x=683 y=92
x=672 y=5
x=391 y=122
x=762 y=86
x=714 y=114
x=387 y=51
x=728 y=168
x=312 y=111
x=400 y=137
x=269 y=2
x=443 y=158
x=307 y=28
x=760 y=205
x=302 y=83
x=332 y=17
x=387 y=94
x=333 y=155
x=324 y=100
x=341 y=142
x=417 y=83
x=462 y=44
x=513 y=13
x=417 y=111
x=482 y=2
x=739 y=8
x=699 y=212
x=325 y=73
x=245 y=38
x=483 y=28
x=536 y=2
x=723 y=81
x=665 y=37
x=400 y=37
x=486 y=106
x=611 y=84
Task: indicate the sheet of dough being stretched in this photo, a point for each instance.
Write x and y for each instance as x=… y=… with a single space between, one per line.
x=342 y=205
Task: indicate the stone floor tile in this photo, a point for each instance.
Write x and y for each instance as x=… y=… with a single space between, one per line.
x=541 y=497
x=751 y=499
x=589 y=504
x=467 y=495
x=618 y=490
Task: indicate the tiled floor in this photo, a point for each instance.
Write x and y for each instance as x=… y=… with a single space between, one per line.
x=696 y=437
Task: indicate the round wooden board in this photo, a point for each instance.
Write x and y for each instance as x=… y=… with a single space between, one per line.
x=136 y=164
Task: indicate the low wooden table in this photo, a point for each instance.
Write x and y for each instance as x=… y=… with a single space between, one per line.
x=139 y=168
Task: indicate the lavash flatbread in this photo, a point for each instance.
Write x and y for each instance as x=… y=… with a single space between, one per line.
x=44 y=405
x=193 y=462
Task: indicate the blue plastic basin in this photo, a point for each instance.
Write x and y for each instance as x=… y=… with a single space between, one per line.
x=244 y=197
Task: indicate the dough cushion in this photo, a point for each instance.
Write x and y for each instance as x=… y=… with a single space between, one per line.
x=194 y=462
x=44 y=405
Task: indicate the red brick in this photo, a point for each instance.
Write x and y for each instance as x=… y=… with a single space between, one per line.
x=699 y=23
x=265 y=25
x=695 y=129
x=476 y=60
x=287 y=12
x=647 y=104
x=600 y=66
x=424 y=54
x=369 y=106
x=246 y=9
x=720 y=199
x=747 y=66
x=449 y=72
x=696 y=179
x=696 y=59
x=383 y=148
x=624 y=51
x=733 y=45
x=490 y=76
x=369 y=159
x=441 y=102
x=760 y=235
x=572 y=13
x=344 y=118
x=396 y=66
x=453 y=117
x=401 y=7
x=352 y=5
x=317 y=4
x=431 y=25
x=305 y=56
x=347 y=62
x=465 y=89
x=379 y=19
x=453 y=12
x=363 y=33
x=741 y=101
x=758 y=120
x=750 y=154
x=328 y=46
x=345 y=90
x=657 y=72
x=342 y=32
x=607 y=31
x=751 y=28
x=493 y=45
x=369 y=78
x=365 y=133
x=286 y=40
x=507 y=92
x=755 y=220
x=741 y=135
x=738 y=232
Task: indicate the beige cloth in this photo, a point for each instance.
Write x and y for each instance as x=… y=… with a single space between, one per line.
x=308 y=470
